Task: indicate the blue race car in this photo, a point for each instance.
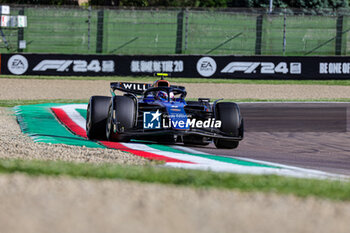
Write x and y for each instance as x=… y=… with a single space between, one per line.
x=159 y=112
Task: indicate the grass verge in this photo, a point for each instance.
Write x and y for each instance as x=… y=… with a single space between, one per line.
x=12 y=103
x=327 y=189
x=150 y=79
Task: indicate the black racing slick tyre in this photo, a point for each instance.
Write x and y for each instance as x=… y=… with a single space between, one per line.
x=121 y=116
x=96 y=118
x=231 y=124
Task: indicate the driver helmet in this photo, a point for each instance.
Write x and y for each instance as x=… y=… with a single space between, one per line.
x=162 y=95
x=172 y=96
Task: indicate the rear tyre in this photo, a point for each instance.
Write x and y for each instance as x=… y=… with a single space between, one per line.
x=121 y=115
x=231 y=124
x=96 y=117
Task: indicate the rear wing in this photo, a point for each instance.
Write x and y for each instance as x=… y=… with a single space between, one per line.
x=134 y=88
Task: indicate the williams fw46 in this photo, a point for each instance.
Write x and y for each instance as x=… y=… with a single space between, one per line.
x=159 y=112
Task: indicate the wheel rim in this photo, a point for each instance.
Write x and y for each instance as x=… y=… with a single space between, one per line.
x=109 y=125
x=88 y=121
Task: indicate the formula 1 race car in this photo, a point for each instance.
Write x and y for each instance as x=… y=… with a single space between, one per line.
x=160 y=113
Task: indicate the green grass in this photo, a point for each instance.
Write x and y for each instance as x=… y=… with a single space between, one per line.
x=303 y=34
x=12 y=103
x=127 y=31
x=144 y=32
x=150 y=79
x=334 y=190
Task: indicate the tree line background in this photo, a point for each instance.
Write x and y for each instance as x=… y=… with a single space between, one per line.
x=313 y=4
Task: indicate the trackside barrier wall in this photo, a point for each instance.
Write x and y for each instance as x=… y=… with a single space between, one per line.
x=187 y=66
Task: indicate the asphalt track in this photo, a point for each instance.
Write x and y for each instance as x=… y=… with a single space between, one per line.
x=308 y=135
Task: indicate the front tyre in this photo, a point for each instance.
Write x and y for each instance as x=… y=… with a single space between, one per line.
x=96 y=117
x=231 y=124
x=121 y=117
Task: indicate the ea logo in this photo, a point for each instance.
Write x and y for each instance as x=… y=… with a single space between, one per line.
x=17 y=64
x=206 y=66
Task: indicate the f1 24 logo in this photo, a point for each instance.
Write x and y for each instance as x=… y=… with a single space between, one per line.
x=78 y=65
x=265 y=67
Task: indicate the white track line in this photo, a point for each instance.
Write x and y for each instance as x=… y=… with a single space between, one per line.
x=296 y=169
x=180 y=156
x=73 y=114
x=256 y=171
